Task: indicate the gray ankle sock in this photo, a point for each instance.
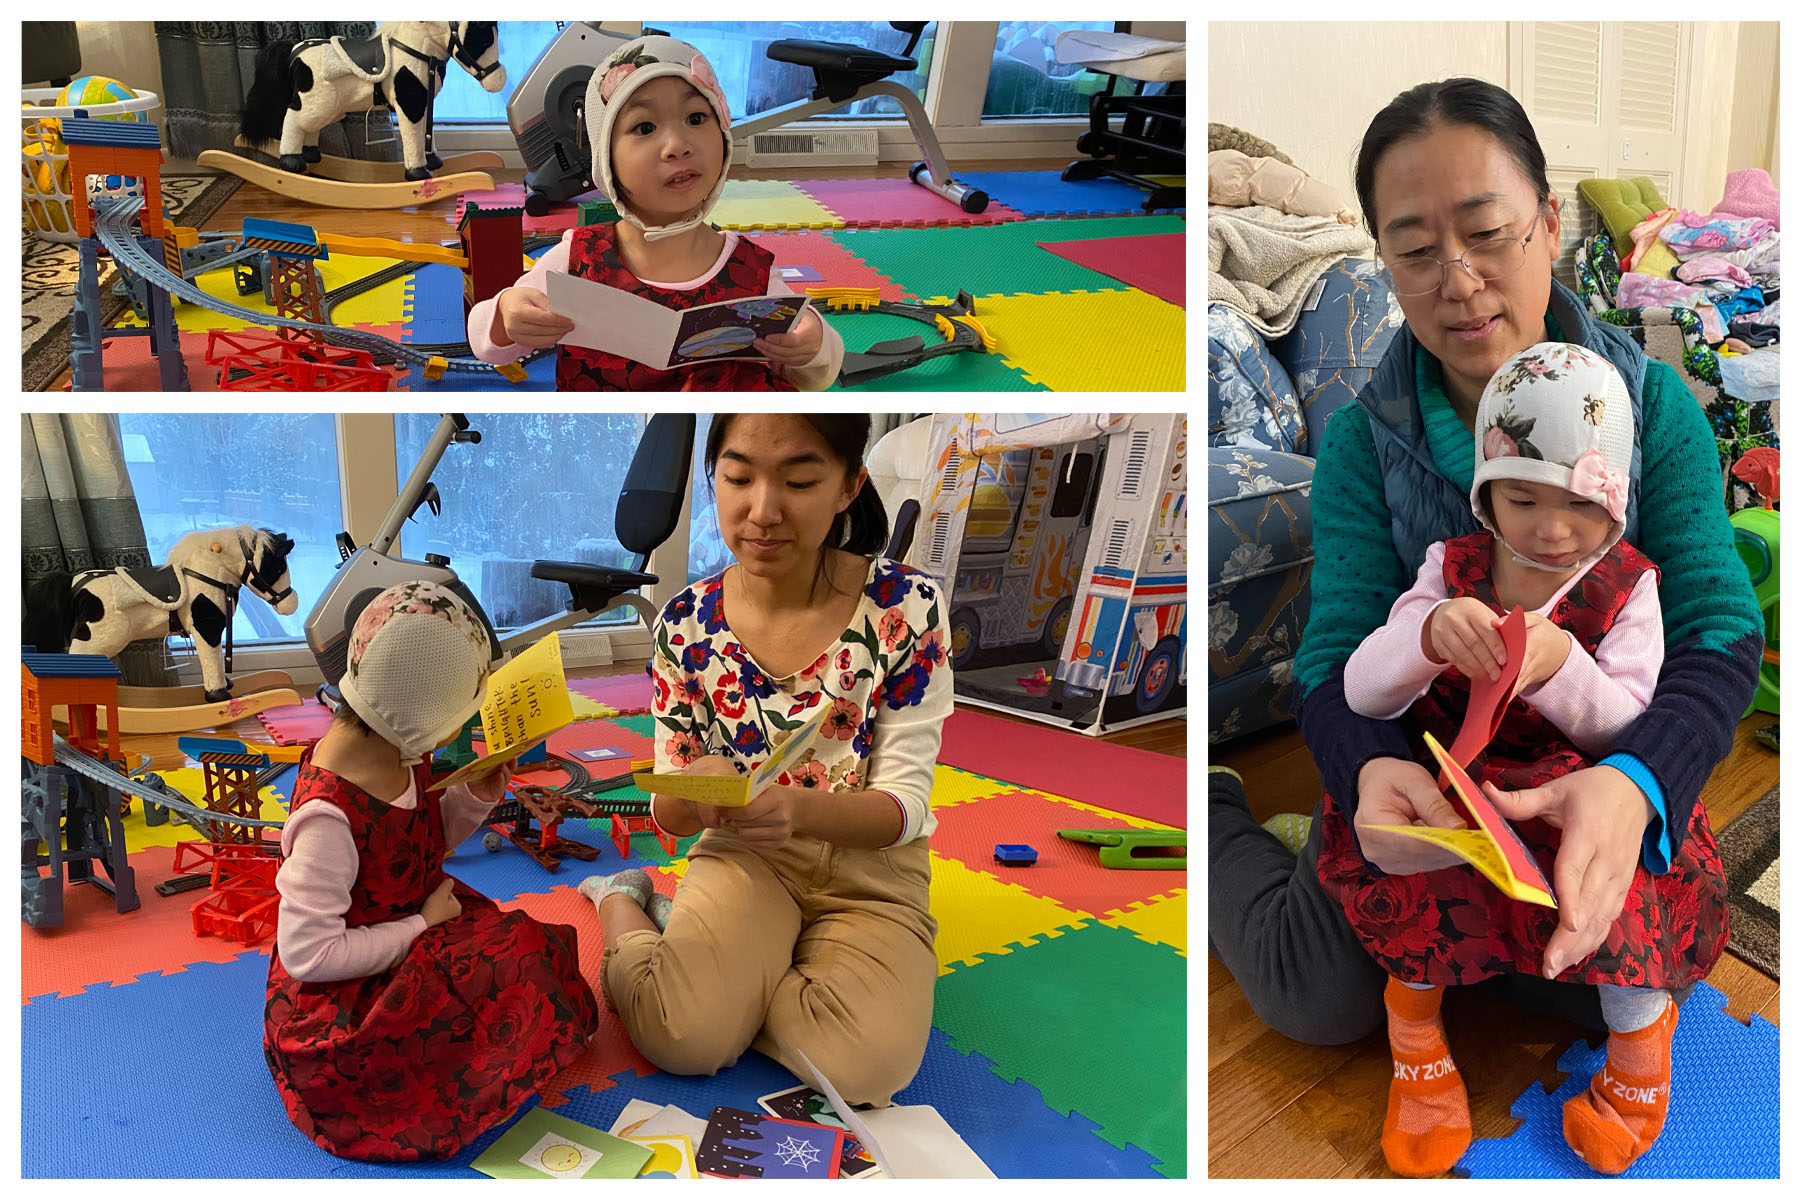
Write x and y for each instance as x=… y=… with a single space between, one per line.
x=658 y=909
x=634 y=883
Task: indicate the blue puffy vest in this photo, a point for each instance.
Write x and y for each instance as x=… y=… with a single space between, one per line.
x=1425 y=507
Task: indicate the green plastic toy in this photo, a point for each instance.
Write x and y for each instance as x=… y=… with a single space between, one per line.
x=1758 y=536
x=1134 y=849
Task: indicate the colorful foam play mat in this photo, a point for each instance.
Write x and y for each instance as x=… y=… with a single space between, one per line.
x=1058 y=1046
x=1073 y=286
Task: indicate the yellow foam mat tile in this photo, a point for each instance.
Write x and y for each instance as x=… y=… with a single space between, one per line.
x=378 y=306
x=1160 y=920
x=951 y=786
x=190 y=783
x=770 y=204
x=590 y=710
x=978 y=915
x=1090 y=341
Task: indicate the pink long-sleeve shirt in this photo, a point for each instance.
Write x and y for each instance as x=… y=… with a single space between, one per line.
x=815 y=375
x=1591 y=698
x=319 y=864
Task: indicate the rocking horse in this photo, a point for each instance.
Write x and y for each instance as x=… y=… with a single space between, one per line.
x=300 y=88
x=194 y=594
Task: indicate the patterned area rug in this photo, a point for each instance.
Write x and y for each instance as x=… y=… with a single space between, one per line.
x=49 y=271
x=1751 y=850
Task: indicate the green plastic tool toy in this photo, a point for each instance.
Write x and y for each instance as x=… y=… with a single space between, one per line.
x=1135 y=849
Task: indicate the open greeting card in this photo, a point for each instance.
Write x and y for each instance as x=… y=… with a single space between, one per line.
x=1490 y=846
x=543 y=1145
x=728 y=791
x=644 y=331
x=527 y=701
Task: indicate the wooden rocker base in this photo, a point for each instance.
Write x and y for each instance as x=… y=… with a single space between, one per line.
x=180 y=709
x=362 y=170
x=339 y=193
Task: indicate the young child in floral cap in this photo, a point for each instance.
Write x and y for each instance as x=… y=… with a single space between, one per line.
x=1554 y=451
x=406 y=1013
x=660 y=129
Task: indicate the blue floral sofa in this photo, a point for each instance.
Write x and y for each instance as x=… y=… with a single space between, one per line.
x=1266 y=410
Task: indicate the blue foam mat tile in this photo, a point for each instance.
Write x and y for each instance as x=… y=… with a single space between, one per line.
x=508 y=872
x=1724 y=1108
x=737 y=1086
x=1008 y=1124
x=434 y=294
x=1046 y=193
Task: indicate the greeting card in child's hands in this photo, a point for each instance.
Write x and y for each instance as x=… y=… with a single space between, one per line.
x=644 y=331
x=1488 y=698
x=1491 y=847
x=527 y=701
x=740 y=1145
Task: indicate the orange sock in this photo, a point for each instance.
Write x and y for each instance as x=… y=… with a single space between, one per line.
x=1622 y=1111
x=1427 y=1126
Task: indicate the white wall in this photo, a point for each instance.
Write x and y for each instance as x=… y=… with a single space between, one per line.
x=1311 y=88
x=123 y=50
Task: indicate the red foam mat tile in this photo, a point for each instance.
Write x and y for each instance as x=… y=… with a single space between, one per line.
x=896 y=202
x=1066 y=872
x=1134 y=782
x=630 y=693
x=824 y=254
x=1155 y=263
x=96 y=945
x=296 y=724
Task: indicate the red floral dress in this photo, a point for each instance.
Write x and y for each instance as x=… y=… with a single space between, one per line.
x=418 y=1061
x=594 y=254
x=1453 y=926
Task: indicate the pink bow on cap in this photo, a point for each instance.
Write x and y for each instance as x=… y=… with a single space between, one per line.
x=1590 y=476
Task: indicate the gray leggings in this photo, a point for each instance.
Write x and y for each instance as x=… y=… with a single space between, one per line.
x=1288 y=946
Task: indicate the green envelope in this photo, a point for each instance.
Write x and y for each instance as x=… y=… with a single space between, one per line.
x=542 y=1145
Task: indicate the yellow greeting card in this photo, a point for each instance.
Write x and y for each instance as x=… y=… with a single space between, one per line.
x=527 y=701
x=726 y=791
x=1491 y=847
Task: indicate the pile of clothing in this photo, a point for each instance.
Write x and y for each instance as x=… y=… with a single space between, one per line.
x=1726 y=267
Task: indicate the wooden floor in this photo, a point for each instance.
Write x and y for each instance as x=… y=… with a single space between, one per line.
x=1277 y=1108
x=1163 y=737
x=435 y=223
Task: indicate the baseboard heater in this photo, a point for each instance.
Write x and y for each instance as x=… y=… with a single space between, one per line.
x=814 y=148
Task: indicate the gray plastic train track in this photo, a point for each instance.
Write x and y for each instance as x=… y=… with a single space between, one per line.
x=115 y=226
x=161 y=795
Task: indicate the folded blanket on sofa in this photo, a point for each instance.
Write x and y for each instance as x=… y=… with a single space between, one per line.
x=1691 y=234
x=1262 y=262
x=1637 y=290
x=1713 y=266
x=1750 y=193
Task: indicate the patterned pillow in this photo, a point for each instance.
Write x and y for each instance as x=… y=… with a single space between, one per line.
x=1250 y=400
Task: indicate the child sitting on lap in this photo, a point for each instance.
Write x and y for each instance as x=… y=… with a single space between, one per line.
x=661 y=132
x=1553 y=450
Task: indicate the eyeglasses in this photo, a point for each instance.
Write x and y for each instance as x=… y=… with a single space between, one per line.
x=1493 y=259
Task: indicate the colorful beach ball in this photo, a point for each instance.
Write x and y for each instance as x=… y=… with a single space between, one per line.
x=91 y=91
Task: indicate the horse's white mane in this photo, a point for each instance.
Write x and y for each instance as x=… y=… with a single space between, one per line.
x=231 y=539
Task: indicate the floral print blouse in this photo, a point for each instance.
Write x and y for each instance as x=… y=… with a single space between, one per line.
x=885 y=682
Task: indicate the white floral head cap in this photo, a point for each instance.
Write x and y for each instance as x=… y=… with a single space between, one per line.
x=1559 y=414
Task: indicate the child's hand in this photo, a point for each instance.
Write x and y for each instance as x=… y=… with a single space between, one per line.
x=1546 y=648
x=490 y=789
x=1465 y=633
x=524 y=313
x=441 y=906
x=798 y=348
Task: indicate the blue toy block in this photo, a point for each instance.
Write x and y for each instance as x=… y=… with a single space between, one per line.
x=1724 y=1108
x=1015 y=855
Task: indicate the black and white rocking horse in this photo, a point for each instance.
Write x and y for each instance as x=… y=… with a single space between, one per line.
x=194 y=594
x=300 y=88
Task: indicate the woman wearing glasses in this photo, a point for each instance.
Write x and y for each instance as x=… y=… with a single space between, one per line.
x=1452 y=184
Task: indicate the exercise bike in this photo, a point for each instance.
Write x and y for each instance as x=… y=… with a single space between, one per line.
x=648 y=508
x=547 y=120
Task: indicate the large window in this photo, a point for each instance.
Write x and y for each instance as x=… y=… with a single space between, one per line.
x=1025 y=80
x=538 y=485
x=706 y=545
x=208 y=470
x=462 y=98
x=754 y=83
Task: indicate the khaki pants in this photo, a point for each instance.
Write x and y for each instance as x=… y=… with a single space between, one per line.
x=813 y=947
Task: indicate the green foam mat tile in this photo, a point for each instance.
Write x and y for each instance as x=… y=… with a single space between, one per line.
x=641 y=723
x=993 y=259
x=1096 y=1020
x=969 y=370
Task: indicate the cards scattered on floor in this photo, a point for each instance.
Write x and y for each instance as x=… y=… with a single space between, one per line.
x=542 y=1145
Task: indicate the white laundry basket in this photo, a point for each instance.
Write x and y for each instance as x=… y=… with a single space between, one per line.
x=48 y=196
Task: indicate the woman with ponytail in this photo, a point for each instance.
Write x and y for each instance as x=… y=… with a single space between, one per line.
x=802 y=923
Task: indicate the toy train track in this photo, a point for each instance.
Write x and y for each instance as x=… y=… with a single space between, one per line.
x=115 y=225
x=158 y=793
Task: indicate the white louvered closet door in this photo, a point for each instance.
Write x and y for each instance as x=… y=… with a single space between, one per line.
x=1608 y=101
